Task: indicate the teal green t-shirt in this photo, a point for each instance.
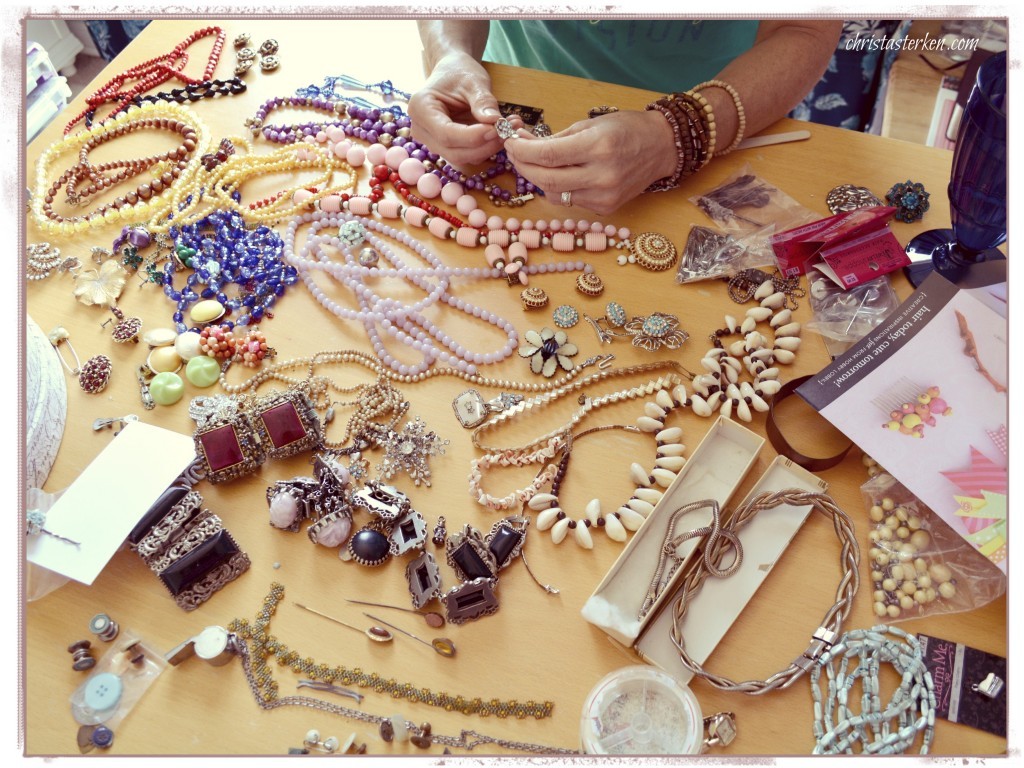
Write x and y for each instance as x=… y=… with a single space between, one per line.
x=663 y=55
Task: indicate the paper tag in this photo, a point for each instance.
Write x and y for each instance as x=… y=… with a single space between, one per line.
x=101 y=506
x=964 y=690
x=795 y=248
x=862 y=259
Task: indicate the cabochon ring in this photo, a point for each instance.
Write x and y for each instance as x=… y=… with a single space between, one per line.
x=910 y=200
x=369 y=546
x=590 y=284
x=534 y=298
x=566 y=316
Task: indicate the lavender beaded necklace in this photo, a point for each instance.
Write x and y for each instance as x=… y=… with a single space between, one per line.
x=406 y=323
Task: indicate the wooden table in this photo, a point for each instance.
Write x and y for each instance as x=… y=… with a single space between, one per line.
x=536 y=646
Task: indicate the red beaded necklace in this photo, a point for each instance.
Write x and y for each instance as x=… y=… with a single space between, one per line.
x=152 y=73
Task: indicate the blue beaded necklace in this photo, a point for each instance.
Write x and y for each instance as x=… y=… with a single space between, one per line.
x=222 y=251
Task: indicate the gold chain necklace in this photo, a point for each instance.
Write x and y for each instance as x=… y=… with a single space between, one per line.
x=262 y=646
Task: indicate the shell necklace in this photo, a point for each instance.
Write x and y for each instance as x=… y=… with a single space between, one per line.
x=630 y=515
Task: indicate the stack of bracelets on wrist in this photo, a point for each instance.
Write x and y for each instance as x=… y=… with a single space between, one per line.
x=693 y=129
x=741 y=114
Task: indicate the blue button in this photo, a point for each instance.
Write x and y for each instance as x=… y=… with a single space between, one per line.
x=103 y=692
x=102 y=737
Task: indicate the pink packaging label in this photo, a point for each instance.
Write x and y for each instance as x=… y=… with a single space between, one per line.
x=865 y=258
x=795 y=248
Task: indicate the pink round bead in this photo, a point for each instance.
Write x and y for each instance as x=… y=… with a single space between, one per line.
x=542 y=225
x=465 y=204
x=451 y=192
x=527 y=223
x=569 y=224
x=596 y=227
x=512 y=225
x=495 y=222
x=375 y=153
x=477 y=218
x=356 y=156
x=410 y=170
x=555 y=225
x=624 y=233
x=429 y=185
x=309 y=139
x=335 y=133
x=582 y=225
x=395 y=156
x=609 y=230
x=321 y=137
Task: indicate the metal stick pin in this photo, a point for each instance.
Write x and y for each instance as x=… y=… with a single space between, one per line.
x=434 y=619
x=442 y=645
x=377 y=634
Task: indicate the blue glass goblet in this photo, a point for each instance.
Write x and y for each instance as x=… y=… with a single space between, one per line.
x=977 y=186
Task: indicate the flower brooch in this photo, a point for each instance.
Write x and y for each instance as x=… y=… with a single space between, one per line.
x=910 y=200
x=548 y=351
x=653 y=332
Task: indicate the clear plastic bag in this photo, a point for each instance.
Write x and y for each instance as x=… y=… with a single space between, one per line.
x=39 y=581
x=711 y=254
x=844 y=316
x=745 y=204
x=919 y=565
x=117 y=682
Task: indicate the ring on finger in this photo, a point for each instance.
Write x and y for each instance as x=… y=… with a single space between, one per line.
x=567 y=199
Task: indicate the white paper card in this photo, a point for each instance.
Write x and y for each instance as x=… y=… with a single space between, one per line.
x=102 y=506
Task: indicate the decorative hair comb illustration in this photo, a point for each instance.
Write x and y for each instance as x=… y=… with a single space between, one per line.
x=911 y=407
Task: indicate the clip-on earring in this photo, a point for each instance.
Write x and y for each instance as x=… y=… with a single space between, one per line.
x=269 y=60
x=126 y=329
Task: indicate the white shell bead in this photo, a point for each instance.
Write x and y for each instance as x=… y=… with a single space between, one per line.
x=743 y=410
x=764 y=290
x=769 y=373
x=583 y=537
x=547 y=518
x=664 y=399
x=675 y=463
x=789 y=329
x=737 y=348
x=784 y=356
x=700 y=406
x=781 y=318
x=714 y=352
x=730 y=323
x=593 y=510
x=640 y=506
x=650 y=495
x=769 y=387
x=761 y=354
x=541 y=501
x=715 y=399
x=671 y=449
x=710 y=364
x=654 y=410
x=792 y=343
x=559 y=530
x=670 y=435
x=759 y=313
x=774 y=301
x=732 y=362
x=726 y=409
x=639 y=475
x=700 y=386
x=663 y=477
x=647 y=424
x=630 y=520
x=754 y=340
x=733 y=391
x=749 y=324
x=731 y=374
x=613 y=527
x=679 y=393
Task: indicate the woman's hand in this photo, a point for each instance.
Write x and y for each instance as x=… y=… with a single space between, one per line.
x=604 y=162
x=454 y=113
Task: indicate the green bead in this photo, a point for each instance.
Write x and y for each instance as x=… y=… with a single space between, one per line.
x=167 y=388
x=203 y=371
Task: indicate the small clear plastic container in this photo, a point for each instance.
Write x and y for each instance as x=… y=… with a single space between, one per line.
x=641 y=710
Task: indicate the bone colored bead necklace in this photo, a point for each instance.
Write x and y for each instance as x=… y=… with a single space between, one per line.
x=540 y=450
